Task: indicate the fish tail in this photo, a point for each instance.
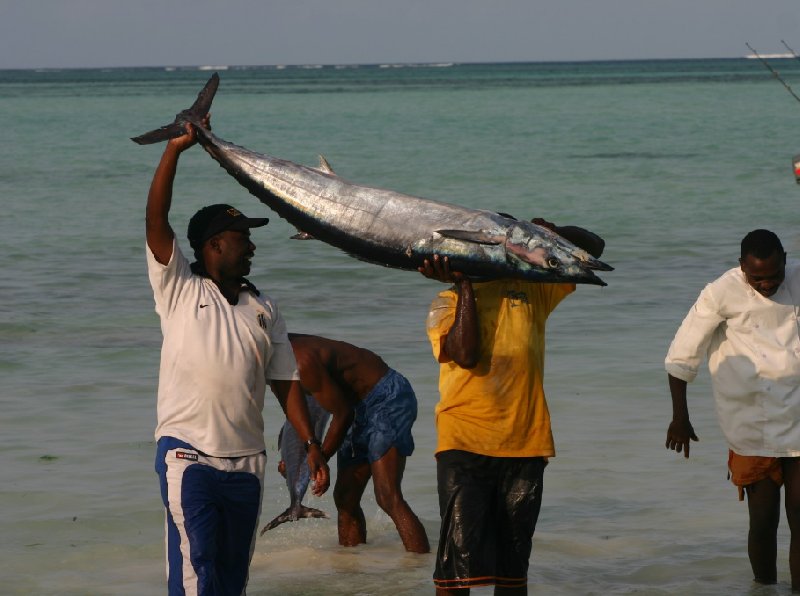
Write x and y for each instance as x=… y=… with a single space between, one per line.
x=293 y=514
x=282 y=518
x=194 y=114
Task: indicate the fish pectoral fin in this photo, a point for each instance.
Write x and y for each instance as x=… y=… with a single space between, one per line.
x=302 y=236
x=479 y=237
x=324 y=166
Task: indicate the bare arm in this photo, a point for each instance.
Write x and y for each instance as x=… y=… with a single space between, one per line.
x=680 y=431
x=341 y=418
x=160 y=234
x=323 y=387
x=293 y=402
x=462 y=342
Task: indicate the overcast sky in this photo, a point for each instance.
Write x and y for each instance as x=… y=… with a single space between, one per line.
x=92 y=33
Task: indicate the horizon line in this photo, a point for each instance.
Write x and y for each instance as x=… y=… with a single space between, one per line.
x=433 y=63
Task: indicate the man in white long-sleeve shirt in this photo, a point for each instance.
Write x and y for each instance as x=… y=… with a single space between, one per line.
x=746 y=321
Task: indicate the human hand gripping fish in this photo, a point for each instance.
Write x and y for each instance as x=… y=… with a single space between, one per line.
x=293 y=402
x=189 y=136
x=294 y=468
x=438 y=268
x=318 y=469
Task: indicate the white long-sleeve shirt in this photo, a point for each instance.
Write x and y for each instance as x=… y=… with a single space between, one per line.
x=753 y=349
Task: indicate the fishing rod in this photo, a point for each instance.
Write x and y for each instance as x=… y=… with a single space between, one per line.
x=796 y=158
x=774 y=72
x=786 y=45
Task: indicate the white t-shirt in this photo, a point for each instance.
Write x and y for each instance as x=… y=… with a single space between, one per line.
x=753 y=352
x=216 y=360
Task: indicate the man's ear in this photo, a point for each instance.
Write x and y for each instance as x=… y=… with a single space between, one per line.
x=213 y=242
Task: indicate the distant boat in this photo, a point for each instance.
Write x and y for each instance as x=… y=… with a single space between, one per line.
x=770 y=56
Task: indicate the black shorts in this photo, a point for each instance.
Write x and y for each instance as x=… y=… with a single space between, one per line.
x=489 y=507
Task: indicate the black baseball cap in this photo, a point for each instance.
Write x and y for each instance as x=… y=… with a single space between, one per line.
x=213 y=219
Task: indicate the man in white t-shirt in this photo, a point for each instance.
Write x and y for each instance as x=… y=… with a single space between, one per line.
x=223 y=342
x=746 y=323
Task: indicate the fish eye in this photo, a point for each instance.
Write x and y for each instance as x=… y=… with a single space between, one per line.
x=553 y=263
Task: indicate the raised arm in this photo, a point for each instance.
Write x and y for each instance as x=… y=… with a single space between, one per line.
x=680 y=432
x=462 y=342
x=160 y=234
x=290 y=396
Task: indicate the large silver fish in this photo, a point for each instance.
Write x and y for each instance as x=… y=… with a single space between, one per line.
x=293 y=453
x=386 y=227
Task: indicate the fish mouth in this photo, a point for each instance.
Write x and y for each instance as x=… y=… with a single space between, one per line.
x=591 y=265
x=598 y=265
x=591 y=278
x=588 y=261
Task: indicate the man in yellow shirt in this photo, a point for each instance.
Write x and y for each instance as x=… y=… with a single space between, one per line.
x=492 y=421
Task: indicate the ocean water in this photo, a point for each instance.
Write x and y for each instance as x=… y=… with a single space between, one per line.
x=672 y=162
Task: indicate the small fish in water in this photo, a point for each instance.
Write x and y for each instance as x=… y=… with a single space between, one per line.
x=293 y=454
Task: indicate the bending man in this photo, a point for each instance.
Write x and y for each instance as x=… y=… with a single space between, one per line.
x=356 y=385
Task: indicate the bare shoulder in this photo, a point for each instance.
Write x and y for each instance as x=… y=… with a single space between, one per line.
x=333 y=354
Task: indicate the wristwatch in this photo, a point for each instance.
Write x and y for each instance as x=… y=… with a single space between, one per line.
x=312 y=441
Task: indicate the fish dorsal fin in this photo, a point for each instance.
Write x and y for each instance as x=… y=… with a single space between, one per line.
x=479 y=237
x=324 y=166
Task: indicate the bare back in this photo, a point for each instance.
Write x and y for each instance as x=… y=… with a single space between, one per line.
x=356 y=370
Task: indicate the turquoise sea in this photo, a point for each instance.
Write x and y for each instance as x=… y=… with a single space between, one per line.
x=672 y=162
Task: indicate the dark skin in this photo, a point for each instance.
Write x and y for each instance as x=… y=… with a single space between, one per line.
x=461 y=344
x=338 y=375
x=764 y=275
x=763 y=497
x=226 y=258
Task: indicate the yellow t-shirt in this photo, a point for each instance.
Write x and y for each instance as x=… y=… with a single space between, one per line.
x=497 y=408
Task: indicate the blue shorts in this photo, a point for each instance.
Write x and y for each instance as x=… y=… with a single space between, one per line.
x=383 y=419
x=212 y=508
